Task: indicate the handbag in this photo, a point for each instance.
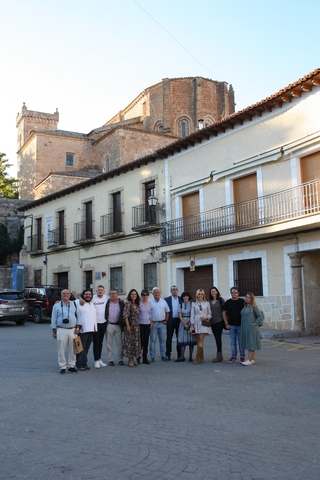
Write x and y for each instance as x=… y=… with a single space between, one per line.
x=77 y=345
x=206 y=323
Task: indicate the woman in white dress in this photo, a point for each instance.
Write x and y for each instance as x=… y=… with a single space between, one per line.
x=200 y=322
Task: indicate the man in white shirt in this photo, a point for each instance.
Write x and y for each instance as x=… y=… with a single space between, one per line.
x=159 y=315
x=99 y=302
x=88 y=319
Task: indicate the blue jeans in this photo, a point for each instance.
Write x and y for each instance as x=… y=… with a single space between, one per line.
x=234 y=340
x=158 y=330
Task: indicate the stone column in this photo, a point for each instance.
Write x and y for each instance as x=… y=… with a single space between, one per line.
x=296 y=265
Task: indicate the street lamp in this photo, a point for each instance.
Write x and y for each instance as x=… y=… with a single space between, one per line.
x=152 y=202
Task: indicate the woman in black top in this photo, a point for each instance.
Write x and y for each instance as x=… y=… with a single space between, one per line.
x=217 y=322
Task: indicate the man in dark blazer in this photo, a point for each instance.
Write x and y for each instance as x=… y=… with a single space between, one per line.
x=173 y=301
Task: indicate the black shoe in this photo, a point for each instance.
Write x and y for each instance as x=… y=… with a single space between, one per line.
x=120 y=363
x=190 y=359
x=73 y=370
x=138 y=360
x=146 y=361
x=111 y=364
x=86 y=367
x=180 y=360
x=62 y=371
x=165 y=359
x=81 y=369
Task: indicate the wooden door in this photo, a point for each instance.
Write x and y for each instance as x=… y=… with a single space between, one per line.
x=201 y=277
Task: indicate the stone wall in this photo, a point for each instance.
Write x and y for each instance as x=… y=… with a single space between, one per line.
x=311 y=270
x=277 y=310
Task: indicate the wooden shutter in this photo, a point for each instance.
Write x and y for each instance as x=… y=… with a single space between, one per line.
x=310 y=167
x=191 y=209
x=245 y=190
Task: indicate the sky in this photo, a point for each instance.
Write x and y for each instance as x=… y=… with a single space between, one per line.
x=91 y=58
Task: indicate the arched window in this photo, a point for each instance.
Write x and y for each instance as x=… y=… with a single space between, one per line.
x=183 y=128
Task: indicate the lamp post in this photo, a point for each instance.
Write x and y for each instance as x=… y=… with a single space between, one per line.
x=152 y=202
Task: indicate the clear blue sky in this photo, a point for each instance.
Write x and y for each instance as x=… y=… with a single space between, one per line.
x=90 y=58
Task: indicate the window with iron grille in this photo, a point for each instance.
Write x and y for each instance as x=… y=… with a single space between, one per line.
x=116 y=279
x=248 y=276
x=150 y=276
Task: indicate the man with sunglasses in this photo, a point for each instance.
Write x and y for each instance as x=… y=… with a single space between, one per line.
x=231 y=315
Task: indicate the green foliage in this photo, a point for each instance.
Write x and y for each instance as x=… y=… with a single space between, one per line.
x=8 y=186
x=18 y=242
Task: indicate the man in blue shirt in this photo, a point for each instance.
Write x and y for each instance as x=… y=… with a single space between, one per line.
x=65 y=327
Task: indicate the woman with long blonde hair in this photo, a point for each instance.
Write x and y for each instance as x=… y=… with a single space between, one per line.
x=250 y=322
x=200 y=322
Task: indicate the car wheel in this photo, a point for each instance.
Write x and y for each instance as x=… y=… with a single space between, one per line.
x=37 y=315
x=20 y=322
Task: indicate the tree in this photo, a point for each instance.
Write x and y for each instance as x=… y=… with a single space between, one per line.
x=5 y=244
x=8 y=186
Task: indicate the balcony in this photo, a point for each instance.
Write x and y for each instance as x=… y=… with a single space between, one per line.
x=57 y=237
x=146 y=218
x=83 y=232
x=111 y=225
x=290 y=204
x=35 y=243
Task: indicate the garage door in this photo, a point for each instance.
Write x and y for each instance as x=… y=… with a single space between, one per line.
x=202 y=277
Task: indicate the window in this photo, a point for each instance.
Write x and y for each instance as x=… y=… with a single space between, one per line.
x=183 y=129
x=116 y=279
x=116 y=210
x=150 y=213
x=61 y=230
x=150 y=276
x=89 y=220
x=248 y=276
x=37 y=277
x=38 y=236
x=245 y=197
x=70 y=159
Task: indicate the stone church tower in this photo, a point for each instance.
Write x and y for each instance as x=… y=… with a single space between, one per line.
x=28 y=120
x=50 y=159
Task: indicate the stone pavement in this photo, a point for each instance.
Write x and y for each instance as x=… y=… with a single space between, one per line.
x=162 y=421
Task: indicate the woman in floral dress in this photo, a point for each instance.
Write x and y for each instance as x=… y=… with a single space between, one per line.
x=132 y=343
x=184 y=337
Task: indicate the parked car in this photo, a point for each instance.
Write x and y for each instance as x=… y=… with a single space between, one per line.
x=13 y=306
x=40 y=301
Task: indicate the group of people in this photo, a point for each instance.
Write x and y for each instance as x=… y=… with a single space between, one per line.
x=138 y=323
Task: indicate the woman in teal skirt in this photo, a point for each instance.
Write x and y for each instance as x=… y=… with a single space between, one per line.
x=250 y=322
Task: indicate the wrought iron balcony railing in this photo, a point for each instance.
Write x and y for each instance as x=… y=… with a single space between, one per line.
x=278 y=207
x=146 y=217
x=35 y=243
x=111 y=225
x=57 y=237
x=83 y=232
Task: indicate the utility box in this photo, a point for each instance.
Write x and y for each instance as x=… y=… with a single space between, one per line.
x=18 y=276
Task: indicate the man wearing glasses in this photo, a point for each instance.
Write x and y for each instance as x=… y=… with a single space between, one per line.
x=173 y=301
x=231 y=315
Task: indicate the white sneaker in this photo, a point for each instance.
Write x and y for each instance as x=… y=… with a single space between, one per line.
x=247 y=362
x=97 y=364
x=102 y=364
x=252 y=361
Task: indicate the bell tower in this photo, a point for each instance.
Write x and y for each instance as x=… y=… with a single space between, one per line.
x=28 y=120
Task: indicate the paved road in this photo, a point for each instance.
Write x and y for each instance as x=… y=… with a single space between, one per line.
x=164 y=421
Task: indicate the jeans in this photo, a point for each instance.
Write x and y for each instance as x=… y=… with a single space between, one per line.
x=158 y=330
x=82 y=358
x=234 y=340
